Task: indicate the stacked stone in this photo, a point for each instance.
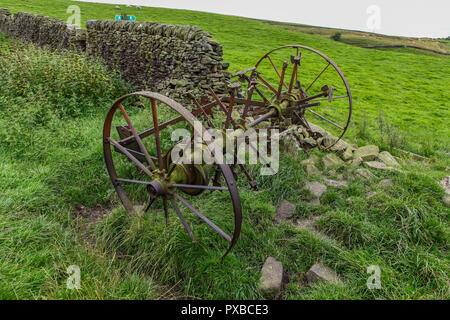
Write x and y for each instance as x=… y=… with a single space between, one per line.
x=5 y=21
x=41 y=30
x=170 y=59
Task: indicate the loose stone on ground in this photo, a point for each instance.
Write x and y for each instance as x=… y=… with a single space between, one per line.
x=366 y=174
x=319 y=272
x=271 y=276
x=284 y=211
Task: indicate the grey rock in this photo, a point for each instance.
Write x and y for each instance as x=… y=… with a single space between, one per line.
x=356 y=162
x=348 y=154
x=316 y=188
x=331 y=160
x=284 y=211
x=335 y=183
x=445 y=183
x=388 y=159
x=367 y=153
x=446 y=200
x=377 y=165
x=366 y=174
x=312 y=170
x=386 y=182
x=271 y=276
x=313 y=159
x=319 y=272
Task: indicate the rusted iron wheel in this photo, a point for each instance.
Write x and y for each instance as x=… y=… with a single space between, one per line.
x=146 y=167
x=310 y=80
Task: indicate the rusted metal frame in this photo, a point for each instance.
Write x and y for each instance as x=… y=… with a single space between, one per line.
x=268 y=115
x=304 y=106
x=278 y=73
x=230 y=109
x=283 y=73
x=222 y=106
x=266 y=84
x=201 y=216
x=325 y=119
x=252 y=82
x=185 y=224
x=243 y=101
x=164 y=125
x=137 y=138
x=139 y=164
x=326 y=67
x=166 y=210
x=339 y=71
x=294 y=74
x=157 y=138
x=249 y=100
x=313 y=97
x=322 y=99
x=205 y=115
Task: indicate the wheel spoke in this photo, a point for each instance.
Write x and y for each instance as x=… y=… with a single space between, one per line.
x=294 y=76
x=166 y=210
x=326 y=67
x=191 y=186
x=133 y=181
x=157 y=138
x=325 y=119
x=136 y=136
x=322 y=99
x=267 y=85
x=283 y=73
x=276 y=70
x=201 y=216
x=130 y=156
x=180 y=215
x=149 y=204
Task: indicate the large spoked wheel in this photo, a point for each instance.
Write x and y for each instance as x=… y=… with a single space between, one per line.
x=312 y=84
x=137 y=145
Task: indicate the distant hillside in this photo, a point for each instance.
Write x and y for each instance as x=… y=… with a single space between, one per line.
x=368 y=39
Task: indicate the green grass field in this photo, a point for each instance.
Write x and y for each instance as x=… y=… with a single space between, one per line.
x=52 y=164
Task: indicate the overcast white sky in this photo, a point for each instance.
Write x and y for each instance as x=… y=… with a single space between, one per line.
x=416 y=18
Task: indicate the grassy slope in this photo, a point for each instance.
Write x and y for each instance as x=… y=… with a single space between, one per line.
x=404 y=230
x=412 y=90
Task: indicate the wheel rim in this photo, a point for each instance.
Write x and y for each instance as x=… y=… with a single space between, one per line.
x=155 y=164
x=286 y=83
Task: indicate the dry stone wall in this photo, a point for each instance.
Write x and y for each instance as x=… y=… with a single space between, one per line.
x=169 y=59
x=41 y=30
x=165 y=58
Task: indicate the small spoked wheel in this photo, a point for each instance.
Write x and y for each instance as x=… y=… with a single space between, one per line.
x=304 y=86
x=139 y=153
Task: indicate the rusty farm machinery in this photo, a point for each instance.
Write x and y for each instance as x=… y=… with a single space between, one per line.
x=287 y=89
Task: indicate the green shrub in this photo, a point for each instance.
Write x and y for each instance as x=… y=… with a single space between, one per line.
x=337 y=36
x=39 y=86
